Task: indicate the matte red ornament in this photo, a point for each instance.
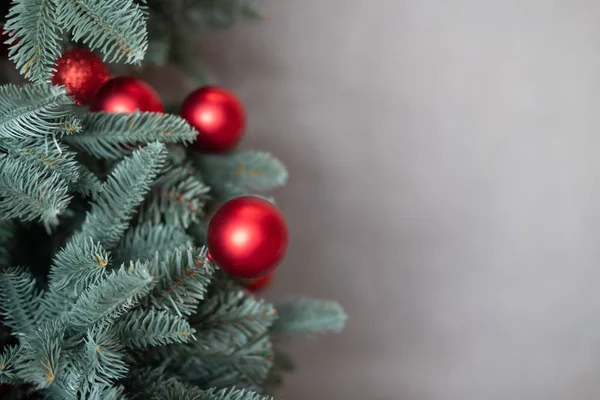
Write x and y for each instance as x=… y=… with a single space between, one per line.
x=258 y=284
x=218 y=116
x=247 y=237
x=81 y=72
x=126 y=95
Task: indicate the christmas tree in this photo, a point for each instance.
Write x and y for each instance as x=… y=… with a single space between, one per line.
x=132 y=240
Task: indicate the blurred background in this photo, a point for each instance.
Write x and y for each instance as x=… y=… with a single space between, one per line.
x=445 y=188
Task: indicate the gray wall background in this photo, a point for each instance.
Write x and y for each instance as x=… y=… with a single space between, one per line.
x=445 y=165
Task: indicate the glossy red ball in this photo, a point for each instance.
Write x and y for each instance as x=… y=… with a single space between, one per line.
x=247 y=237
x=258 y=284
x=218 y=116
x=81 y=72
x=126 y=95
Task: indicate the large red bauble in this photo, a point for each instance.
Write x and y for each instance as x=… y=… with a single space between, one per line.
x=126 y=95
x=81 y=72
x=218 y=116
x=247 y=237
x=258 y=284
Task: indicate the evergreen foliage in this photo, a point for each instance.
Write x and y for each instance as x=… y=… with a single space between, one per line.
x=8 y=359
x=122 y=192
x=111 y=136
x=144 y=241
x=147 y=328
x=116 y=297
x=35 y=38
x=39 y=195
x=178 y=198
x=7 y=228
x=240 y=173
x=253 y=170
x=184 y=275
x=117 y=28
x=34 y=111
x=54 y=159
x=307 y=317
x=20 y=300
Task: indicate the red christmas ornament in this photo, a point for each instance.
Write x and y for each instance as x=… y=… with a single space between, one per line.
x=218 y=116
x=258 y=284
x=247 y=237
x=81 y=72
x=125 y=95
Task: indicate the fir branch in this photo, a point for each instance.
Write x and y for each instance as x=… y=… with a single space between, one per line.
x=101 y=362
x=59 y=391
x=39 y=155
x=34 y=111
x=144 y=241
x=19 y=300
x=88 y=183
x=176 y=391
x=184 y=275
x=54 y=305
x=308 y=317
x=231 y=394
x=75 y=267
x=42 y=359
x=223 y=365
x=107 y=393
x=122 y=192
x=8 y=360
x=112 y=136
x=146 y=328
x=7 y=230
x=34 y=38
x=252 y=170
x=111 y=297
x=181 y=391
x=176 y=157
x=80 y=263
x=35 y=195
x=231 y=317
x=144 y=382
x=116 y=28
x=177 y=198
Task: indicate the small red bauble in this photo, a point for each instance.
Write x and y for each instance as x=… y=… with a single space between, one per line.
x=81 y=72
x=247 y=237
x=258 y=284
x=218 y=116
x=126 y=95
